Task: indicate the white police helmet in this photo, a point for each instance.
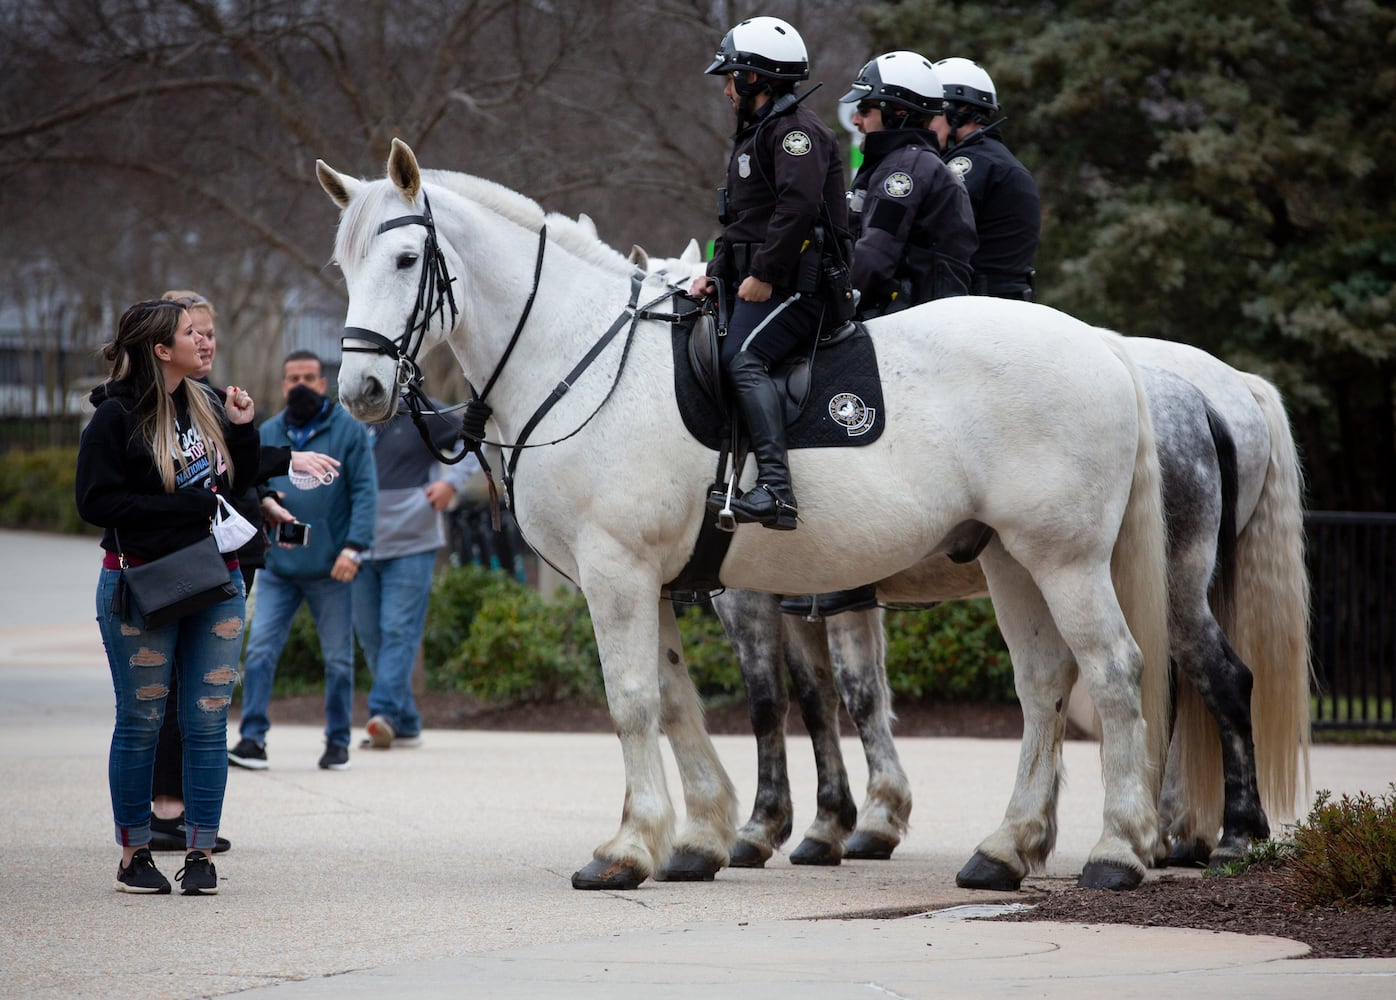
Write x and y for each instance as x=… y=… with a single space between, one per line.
x=967 y=82
x=903 y=79
x=764 y=45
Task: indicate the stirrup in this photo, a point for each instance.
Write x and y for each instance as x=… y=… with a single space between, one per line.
x=720 y=503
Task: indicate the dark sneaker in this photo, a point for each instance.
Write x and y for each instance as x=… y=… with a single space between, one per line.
x=198 y=877
x=334 y=759
x=249 y=754
x=141 y=875
x=168 y=835
x=380 y=733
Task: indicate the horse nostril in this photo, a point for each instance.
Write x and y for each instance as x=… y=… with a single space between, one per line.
x=373 y=389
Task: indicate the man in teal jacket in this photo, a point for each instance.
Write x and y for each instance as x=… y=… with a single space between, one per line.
x=339 y=520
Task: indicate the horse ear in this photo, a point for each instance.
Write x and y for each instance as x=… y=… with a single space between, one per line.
x=585 y=221
x=339 y=187
x=692 y=254
x=639 y=257
x=403 y=170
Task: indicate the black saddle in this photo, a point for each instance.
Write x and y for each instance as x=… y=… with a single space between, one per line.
x=832 y=396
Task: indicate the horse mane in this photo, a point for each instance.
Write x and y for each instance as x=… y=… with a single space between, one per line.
x=577 y=236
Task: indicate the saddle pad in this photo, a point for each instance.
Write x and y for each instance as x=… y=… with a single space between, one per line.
x=844 y=408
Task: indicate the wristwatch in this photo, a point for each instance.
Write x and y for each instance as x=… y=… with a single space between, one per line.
x=354 y=555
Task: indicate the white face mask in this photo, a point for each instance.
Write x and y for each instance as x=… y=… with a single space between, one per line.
x=231 y=530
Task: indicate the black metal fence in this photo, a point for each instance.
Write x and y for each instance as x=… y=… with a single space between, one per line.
x=1352 y=577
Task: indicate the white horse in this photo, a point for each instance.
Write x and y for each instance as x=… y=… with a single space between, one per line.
x=1258 y=587
x=997 y=413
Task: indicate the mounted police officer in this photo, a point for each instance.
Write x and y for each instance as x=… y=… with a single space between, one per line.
x=782 y=214
x=911 y=217
x=910 y=213
x=1007 y=210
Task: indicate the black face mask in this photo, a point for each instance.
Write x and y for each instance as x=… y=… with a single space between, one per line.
x=303 y=404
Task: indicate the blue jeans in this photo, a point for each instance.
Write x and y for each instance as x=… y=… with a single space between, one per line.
x=203 y=647
x=278 y=600
x=390 y=609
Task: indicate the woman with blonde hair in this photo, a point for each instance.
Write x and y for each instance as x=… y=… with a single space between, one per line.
x=157 y=450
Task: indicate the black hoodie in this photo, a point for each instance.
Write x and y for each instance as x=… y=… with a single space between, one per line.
x=119 y=488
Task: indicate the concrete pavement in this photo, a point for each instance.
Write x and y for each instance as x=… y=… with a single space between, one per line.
x=443 y=871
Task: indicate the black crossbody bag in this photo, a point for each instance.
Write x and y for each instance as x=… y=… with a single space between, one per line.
x=165 y=589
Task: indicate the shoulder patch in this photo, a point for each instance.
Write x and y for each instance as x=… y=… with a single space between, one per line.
x=796 y=143
x=961 y=165
x=898 y=184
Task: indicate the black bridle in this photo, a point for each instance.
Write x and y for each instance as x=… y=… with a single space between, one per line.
x=434 y=295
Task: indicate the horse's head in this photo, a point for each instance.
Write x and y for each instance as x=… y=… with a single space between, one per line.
x=398 y=275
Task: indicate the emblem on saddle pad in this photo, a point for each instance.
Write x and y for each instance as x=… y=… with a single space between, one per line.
x=848 y=409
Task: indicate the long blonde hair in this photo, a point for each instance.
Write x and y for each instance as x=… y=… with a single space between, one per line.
x=133 y=360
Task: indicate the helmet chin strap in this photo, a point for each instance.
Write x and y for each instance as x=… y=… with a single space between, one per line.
x=748 y=90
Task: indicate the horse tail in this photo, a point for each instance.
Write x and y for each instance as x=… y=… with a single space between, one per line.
x=1139 y=568
x=1196 y=741
x=1269 y=626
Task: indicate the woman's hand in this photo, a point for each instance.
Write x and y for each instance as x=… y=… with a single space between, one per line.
x=239 y=406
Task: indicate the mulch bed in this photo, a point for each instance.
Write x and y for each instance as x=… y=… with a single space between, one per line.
x=1257 y=901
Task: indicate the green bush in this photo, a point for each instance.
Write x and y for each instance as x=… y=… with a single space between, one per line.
x=36 y=491
x=1345 y=851
x=496 y=639
x=952 y=652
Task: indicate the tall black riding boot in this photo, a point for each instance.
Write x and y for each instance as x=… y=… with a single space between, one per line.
x=771 y=501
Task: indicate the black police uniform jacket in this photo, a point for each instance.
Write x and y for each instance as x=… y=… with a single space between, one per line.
x=912 y=219
x=783 y=178
x=1007 y=211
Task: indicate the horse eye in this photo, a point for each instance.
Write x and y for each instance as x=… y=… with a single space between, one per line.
x=406 y=260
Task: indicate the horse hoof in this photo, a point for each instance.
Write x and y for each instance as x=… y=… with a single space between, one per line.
x=1192 y=855
x=748 y=855
x=688 y=866
x=1104 y=875
x=984 y=872
x=868 y=847
x=1224 y=854
x=600 y=874
x=814 y=852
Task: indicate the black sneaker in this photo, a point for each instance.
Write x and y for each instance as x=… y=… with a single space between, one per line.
x=168 y=835
x=141 y=875
x=198 y=877
x=334 y=759
x=249 y=754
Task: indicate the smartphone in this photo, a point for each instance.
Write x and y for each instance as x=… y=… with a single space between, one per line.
x=293 y=533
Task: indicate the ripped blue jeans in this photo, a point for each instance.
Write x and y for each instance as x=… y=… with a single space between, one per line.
x=204 y=648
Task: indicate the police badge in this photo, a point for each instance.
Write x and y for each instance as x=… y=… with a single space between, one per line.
x=744 y=165
x=961 y=165
x=898 y=184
